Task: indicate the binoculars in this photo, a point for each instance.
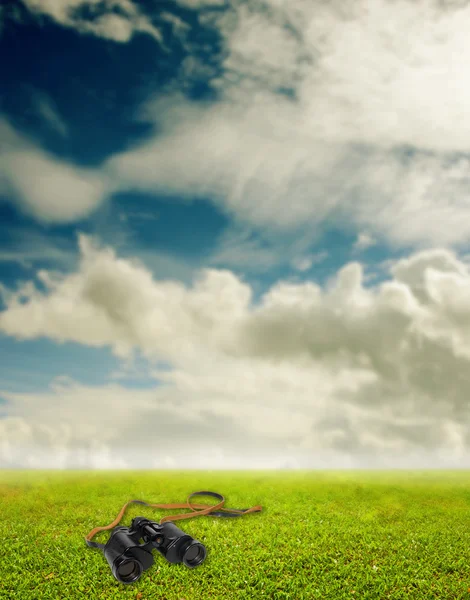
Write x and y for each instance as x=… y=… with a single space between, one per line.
x=129 y=549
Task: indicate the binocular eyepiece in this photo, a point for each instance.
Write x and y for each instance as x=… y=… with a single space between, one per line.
x=129 y=549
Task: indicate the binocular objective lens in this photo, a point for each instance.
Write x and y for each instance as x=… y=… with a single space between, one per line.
x=129 y=571
x=194 y=555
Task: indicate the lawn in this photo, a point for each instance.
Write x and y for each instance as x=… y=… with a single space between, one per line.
x=325 y=535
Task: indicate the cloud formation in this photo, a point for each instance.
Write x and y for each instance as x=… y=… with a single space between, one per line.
x=353 y=114
x=46 y=187
x=311 y=373
x=324 y=114
x=116 y=20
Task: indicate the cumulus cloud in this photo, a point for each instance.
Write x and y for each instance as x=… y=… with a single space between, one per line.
x=116 y=20
x=44 y=186
x=113 y=295
x=310 y=373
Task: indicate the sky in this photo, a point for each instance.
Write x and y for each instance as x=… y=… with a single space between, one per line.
x=234 y=234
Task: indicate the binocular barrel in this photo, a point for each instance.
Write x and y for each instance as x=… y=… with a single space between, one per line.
x=179 y=547
x=128 y=557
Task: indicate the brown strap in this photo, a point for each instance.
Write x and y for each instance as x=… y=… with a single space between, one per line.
x=198 y=510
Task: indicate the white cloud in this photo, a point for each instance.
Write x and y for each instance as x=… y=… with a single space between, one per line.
x=44 y=445
x=327 y=372
x=304 y=263
x=201 y=3
x=330 y=373
x=383 y=74
x=372 y=139
x=28 y=247
x=242 y=248
x=119 y=21
x=363 y=241
x=44 y=186
x=107 y=314
x=370 y=134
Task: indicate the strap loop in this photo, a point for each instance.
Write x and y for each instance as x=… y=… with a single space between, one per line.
x=198 y=510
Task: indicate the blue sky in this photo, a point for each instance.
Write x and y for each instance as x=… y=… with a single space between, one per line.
x=201 y=195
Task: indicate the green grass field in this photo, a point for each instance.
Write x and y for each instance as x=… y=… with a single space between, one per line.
x=326 y=535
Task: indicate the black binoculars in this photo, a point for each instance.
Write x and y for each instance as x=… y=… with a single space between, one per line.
x=129 y=549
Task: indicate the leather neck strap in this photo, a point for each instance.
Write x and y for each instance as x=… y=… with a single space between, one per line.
x=198 y=510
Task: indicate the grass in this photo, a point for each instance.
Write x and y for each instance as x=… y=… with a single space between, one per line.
x=325 y=535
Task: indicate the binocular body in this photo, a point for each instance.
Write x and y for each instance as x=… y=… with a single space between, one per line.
x=129 y=549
